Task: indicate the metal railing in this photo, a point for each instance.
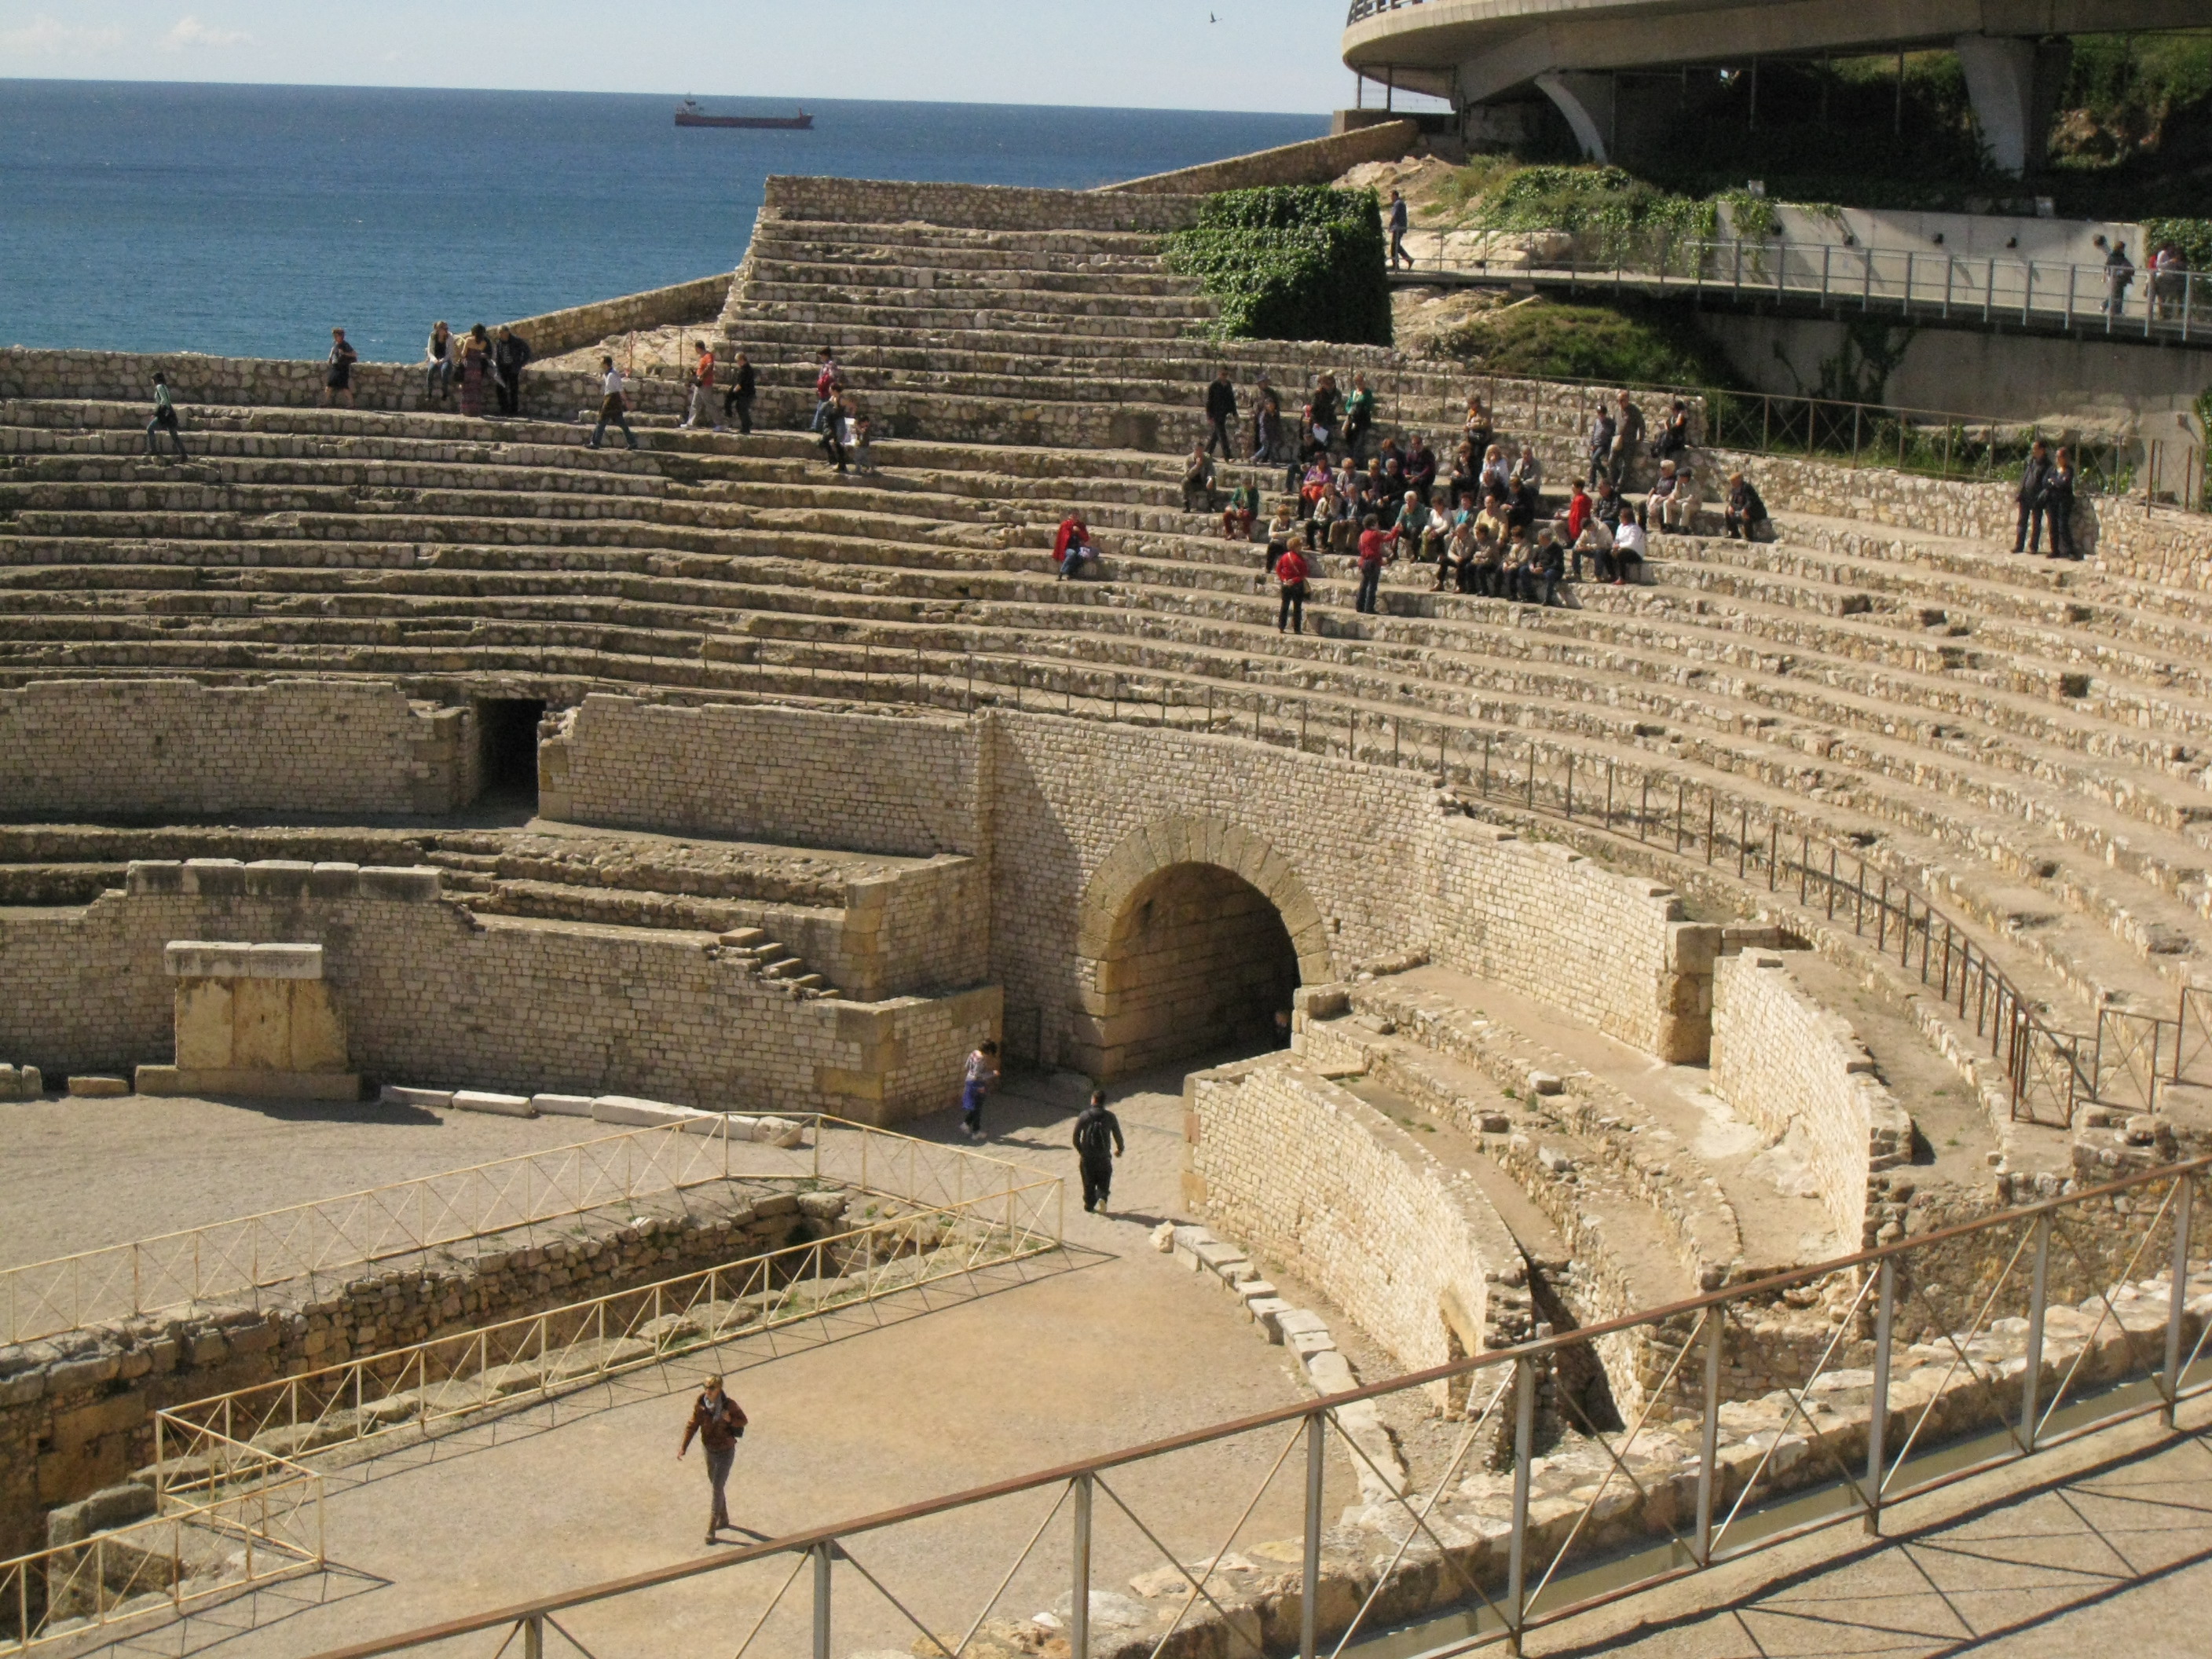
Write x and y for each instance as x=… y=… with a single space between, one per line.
x=1906 y=282
x=303 y=1247
x=245 y=1519
x=410 y=1391
x=2050 y=1073
x=1953 y=1354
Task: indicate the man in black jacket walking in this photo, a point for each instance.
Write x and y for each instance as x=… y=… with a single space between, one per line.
x=2028 y=536
x=1097 y=1144
x=1220 y=411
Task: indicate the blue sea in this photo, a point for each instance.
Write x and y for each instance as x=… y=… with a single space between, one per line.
x=249 y=221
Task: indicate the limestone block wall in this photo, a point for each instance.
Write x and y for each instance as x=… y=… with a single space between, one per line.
x=1617 y=950
x=906 y=786
x=279 y=383
x=1071 y=817
x=1792 y=1064
x=427 y=990
x=982 y=207
x=1315 y=161
x=172 y=748
x=72 y=1422
x=1296 y=1168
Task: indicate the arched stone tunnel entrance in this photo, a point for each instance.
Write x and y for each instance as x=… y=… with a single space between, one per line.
x=1191 y=938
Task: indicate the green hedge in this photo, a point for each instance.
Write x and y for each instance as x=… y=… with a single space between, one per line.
x=1290 y=262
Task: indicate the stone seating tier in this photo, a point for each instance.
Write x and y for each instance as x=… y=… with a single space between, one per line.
x=665 y=613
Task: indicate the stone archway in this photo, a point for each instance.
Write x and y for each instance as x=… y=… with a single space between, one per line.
x=1191 y=934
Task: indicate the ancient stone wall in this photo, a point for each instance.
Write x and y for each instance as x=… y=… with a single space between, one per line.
x=699 y=300
x=156 y=749
x=277 y=383
x=2156 y=544
x=980 y=207
x=427 y=991
x=76 y=1413
x=1315 y=161
x=1293 y=1166
x=1616 y=950
x=905 y=786
x=1791 y=1065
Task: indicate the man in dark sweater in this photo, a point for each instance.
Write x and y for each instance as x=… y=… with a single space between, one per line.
x=1097 y=1144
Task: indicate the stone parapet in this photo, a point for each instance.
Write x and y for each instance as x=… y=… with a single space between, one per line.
x=1315 y=161
x=1799 y=1072
x=984 y=207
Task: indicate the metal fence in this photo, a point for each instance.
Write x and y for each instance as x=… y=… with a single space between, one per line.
x=1934 y=1372
x=1908 y=284
x=307 y=1247
x=244 y=1518
x=411 y=1391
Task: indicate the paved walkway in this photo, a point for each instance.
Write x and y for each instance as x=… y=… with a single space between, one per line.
x=1113 y=1346
x=2101 y=1547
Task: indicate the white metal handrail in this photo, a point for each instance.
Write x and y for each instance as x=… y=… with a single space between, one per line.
x=2134 y=301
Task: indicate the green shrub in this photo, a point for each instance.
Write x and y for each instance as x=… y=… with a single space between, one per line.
x=1630 y=342
x=1290 y=262
x=1616 y=215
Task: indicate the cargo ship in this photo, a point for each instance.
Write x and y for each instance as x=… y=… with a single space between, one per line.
x=689 y=114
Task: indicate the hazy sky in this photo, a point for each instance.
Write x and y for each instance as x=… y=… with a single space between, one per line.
x=1261 y=55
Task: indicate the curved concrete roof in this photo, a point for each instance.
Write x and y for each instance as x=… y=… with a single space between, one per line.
x=1473 y=50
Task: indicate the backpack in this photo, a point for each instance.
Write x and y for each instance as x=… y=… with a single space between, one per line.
x=1093 y=1137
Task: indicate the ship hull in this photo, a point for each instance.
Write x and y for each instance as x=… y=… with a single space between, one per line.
x=768 y=123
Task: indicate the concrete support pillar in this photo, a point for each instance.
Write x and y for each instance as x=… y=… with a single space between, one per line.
x=1587 y=102
x=2014 y=86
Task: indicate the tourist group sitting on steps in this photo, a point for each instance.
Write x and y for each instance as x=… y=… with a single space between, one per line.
x=1481 y=524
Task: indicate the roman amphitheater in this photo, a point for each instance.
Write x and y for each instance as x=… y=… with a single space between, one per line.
x=492 y=929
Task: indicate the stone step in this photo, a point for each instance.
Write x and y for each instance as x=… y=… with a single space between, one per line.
x=780 y=269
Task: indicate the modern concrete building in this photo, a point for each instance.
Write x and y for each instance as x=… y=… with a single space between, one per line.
x=1576 y=52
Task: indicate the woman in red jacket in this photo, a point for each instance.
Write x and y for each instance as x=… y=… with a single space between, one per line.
x=1290 y=578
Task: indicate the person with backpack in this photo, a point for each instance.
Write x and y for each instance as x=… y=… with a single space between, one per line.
x=1097 y=1144
x=165 y=419
x=720 y=1423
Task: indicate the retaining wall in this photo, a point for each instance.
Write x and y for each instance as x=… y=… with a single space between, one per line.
x=1296 y=1168
x=1791 y=1064
x=911 y=785
x=161 y=749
